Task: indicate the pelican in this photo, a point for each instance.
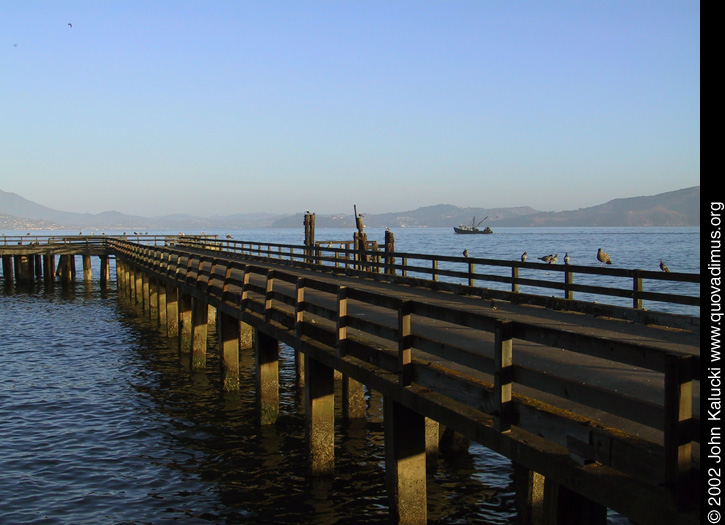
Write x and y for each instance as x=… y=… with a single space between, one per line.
x=524 y=256
x=566 y=258
x=603 y=257
x=546 y=258
x=465 y=253
x=664 y=267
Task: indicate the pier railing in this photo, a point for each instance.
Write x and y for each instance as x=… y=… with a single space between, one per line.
x=498 y=392
x=551 y=285
x=650 y=297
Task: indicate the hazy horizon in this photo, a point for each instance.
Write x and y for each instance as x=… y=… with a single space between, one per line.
x=224 y=107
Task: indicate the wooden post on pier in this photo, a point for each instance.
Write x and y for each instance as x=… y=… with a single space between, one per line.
x=146 y=294
x=161 y=297
x=65 y=268
x=120 y=276
x=361 y=240
x=38 y=263
x=8 y=268
x=320 y=416
x=87 y=273
x=153 y=299
x=529 y=489
x=309 y=223
x=405 y=462
x=172 y=311
x=389 y=251
x=105 y=270
x=199 y=332
x=184 y=306
x=266 y=354
x=353 y=399
x=138 y=285
x=229 y=335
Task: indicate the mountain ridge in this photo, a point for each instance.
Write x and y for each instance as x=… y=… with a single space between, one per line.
x=674 y=208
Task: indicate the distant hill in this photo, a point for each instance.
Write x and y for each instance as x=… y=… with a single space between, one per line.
x=675 y=208
x=439 y=216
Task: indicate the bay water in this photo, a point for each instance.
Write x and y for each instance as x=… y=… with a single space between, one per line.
x=101 y=422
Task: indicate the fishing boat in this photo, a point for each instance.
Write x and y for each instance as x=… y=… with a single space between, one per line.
x=473 y=228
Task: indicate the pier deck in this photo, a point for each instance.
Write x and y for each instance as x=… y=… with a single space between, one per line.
x=594 y=410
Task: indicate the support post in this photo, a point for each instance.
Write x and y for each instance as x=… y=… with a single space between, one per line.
x=7 y=268
x=405 y=347
x=229 y=352
x=353 y=399
x=87 y=273
x=502 y=378
x=153 y=299
x=320 y=416
x=267 y=377
x=678 y=439
x=172 y=311
x=105 y=270
x=49 y=268
x=185 y=323
x=529 y=490
x=405 y=463
x=161 y=297
x=199 y=332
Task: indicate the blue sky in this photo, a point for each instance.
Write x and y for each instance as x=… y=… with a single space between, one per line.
x=220 y=107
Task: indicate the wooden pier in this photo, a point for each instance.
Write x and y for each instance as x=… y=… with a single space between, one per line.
x=597 y=406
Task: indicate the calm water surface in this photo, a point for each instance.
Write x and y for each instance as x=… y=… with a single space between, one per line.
x=101 y=422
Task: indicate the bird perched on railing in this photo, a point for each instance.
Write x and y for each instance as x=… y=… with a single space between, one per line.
x=664 y=267
x=524 y=256
x=465 y=253
x=548 y=258
x=603 y=257
x=566 y=258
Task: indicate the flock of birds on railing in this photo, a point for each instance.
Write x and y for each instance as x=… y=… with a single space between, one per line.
x=602 y=256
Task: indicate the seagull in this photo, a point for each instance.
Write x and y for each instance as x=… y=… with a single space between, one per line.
x=524 y=256
x=546 y=258
x=603 y=257
x=465 y=253
x=664 y=267
x=566 y=258
x=554 y=259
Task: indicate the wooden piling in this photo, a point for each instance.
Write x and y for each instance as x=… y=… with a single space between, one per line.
x=105 y=270
x=7 y=267
x=153 y=305
x=185 y=325
x=266 y=355
x=87 y=273
x=161 y=298
x=405 y=462
x=320 y=416
x=229 y=336
x=199 y=329
x=172 y=311
x=353 y=399
x=266 y=361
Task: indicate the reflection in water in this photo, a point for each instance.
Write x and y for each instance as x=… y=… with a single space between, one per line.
x=102 y=422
